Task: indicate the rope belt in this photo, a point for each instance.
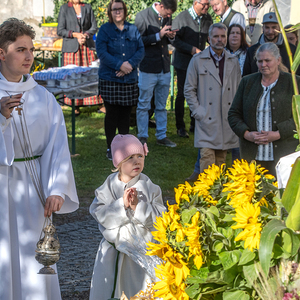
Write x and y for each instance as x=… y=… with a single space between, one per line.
x=27 y=158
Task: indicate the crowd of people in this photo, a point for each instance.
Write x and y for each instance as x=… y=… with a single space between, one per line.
x=230 y=73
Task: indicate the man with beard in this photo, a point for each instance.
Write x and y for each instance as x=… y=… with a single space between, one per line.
x=212 y=79
x=253 y=11
x=270 y=35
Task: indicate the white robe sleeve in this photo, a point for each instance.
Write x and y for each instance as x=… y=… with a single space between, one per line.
x=6 y=142
x=108 y=211
x=56 y=167
x=148 y=209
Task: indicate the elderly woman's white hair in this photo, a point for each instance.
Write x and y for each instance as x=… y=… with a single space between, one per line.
x=274 y=51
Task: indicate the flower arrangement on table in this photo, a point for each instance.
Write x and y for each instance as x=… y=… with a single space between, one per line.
x=222 y=237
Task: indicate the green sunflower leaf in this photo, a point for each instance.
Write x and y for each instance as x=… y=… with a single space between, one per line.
x=187 y=214
x=241 y=295
x=247 y=256
x=192 y=290
x=229 y=258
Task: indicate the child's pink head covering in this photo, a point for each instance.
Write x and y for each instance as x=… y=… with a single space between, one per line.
x=124 y=145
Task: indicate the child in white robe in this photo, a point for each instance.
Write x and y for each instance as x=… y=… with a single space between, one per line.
x=127 y=197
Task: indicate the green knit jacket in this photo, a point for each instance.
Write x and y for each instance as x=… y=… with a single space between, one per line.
x=242 y=114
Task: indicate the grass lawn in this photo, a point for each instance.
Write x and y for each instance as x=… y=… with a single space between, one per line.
x=165 y=166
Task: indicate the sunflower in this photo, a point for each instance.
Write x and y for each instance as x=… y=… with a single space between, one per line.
x=247 y=219
x=158 y=249
x=208 y=181
x=161 y=225
x=192 y=232
x=182 y=192
x=167 y=288
x=244 y=182
x=251 y=236
x=175 y=261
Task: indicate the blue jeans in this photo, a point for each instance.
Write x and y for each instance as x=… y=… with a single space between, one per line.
x=160 y=84
x=235 y=155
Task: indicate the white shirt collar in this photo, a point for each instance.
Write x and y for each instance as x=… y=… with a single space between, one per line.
x=154 y=8
x=227 y=12
x=215 y=55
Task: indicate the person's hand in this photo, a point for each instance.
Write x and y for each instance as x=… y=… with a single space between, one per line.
x=126 y=198
x=87 y=36
x=53 y=204
x=133 y=199
x=165 y=30
x=195 y=50
x=126 y=67
x=120 y=74
x=171 y=34
x=262 y=138
x=267 y=137
x=251 y=136
x=8 y=104
x=80 y=37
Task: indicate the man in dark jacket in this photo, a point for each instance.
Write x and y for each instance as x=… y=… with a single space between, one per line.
x=193 y=25
x=270 y=34
x=155 y=26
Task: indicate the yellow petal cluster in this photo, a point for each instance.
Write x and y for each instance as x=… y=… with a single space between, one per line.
x=247 y=218
x=206 y=180
x=192 y=232
x=167 y=288
x=182 y=192
x=243 y=180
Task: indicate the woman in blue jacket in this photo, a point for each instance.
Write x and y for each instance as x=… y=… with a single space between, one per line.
x=120 y=49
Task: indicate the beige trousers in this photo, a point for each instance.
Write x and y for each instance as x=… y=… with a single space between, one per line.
x=211 y=156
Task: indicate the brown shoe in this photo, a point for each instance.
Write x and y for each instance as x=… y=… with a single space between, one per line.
x=193 y=177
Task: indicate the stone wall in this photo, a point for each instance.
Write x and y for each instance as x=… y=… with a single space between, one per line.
x=31 y=11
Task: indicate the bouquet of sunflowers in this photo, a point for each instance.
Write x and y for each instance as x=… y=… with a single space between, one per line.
x=223 y=236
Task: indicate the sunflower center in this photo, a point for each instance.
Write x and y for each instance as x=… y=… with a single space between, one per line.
x=173 y=289
x=251 y=220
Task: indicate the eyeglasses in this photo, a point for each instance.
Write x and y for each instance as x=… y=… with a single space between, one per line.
x=203 y=4
x=119 y=10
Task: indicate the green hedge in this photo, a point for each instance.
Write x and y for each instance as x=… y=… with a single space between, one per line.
x=133 y=6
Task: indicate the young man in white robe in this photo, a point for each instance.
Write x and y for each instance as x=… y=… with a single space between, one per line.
x=22 y=213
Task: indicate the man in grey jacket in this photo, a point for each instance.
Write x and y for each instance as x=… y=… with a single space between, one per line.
x=212 y=79
x=190 y=39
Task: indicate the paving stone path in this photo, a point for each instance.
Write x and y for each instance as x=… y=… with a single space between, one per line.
x=79 y=243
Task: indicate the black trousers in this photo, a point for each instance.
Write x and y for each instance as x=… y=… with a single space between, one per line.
x=116 y=117
x=179 y=102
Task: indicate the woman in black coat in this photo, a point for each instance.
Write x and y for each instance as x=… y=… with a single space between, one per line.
x=261 y=112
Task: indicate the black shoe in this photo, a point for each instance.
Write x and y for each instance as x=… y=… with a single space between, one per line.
x=152 y=124
x=182 y=133
x=143 y=140
x=192 y=129
x=108 y=154
x=193 y=177
x=166 y=142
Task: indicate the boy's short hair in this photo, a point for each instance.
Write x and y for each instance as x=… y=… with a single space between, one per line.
x=169 y=4
x=13 y=28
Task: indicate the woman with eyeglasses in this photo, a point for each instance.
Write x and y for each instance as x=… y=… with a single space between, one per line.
x=120 y=49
